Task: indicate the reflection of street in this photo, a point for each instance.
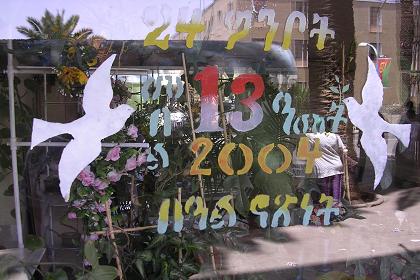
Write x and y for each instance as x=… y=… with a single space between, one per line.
x=322 y=249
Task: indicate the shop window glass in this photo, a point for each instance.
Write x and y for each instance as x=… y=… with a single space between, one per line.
x=229 y=145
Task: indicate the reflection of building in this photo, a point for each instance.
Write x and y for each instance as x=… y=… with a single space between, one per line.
x=373 y=24
x=214 y=20
x=379 y=27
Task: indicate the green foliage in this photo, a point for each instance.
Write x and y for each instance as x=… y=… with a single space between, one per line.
x=59 y=274
x=160 y=258
x=334 y=89
x=105 y=247
x=91 y=254
x=300 y=95
x=242 y=187
x=337 y=79
x=33 y=242
x=340 y=89
x=98 y=272
x=346 y=88
x=101 y=272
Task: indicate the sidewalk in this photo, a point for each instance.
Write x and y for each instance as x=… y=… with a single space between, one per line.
x=379 y=234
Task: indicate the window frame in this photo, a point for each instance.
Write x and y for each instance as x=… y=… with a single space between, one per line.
x=377 y=28
x=303 y=59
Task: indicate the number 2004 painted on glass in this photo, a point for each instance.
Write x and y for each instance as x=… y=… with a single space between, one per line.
x=303 y=153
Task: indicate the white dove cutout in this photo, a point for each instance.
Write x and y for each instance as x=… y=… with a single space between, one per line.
x=99 y=122
x=365 y=116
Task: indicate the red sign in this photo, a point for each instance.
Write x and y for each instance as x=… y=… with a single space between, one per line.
x=383 y=67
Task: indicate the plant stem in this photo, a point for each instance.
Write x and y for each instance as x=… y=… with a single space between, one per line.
x=180 y=234
x=103 y=232
x=111 y=233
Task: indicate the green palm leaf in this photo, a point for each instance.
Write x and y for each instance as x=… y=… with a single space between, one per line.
x=54 y=27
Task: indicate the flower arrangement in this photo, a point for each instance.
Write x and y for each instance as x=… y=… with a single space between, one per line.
x=76 y=59
x=107 y=180
x=72 y=79
x=96 y=184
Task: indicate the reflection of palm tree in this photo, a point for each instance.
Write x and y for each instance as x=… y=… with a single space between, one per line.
x=325 y=64
x=71 y=52
x=406 y=45
x=54 y=27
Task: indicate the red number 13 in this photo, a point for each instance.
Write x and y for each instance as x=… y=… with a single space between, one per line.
x=209 y=105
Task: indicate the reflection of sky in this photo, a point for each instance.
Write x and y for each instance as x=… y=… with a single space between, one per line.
x=123 y=19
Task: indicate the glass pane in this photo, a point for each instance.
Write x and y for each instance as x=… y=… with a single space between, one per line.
x=208 y=139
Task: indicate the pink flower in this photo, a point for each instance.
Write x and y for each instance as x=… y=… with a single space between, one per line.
x=86 y=263
x=132 y=131
x=100 y=185
x=114 y=176
x=91 y=237
x=131 y=164
x=71 y=215
x=100 y=207
x=141 y=159
x=113 y=154
x=395 y=277
x=86 y=176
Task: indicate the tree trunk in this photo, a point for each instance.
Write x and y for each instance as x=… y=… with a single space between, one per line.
x=325 y=64
x=406 y=41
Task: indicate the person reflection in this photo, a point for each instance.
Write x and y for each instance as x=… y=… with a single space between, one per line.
x=410 y=113
x=407 y=160
x=328 y=169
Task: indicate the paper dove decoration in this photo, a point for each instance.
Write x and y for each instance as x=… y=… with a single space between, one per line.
x=365 y=116
x=99 y=122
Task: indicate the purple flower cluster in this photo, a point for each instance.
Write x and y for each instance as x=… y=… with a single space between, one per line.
x=100 y=184
x=86 y=176
x=133 y=131
x=88 y=179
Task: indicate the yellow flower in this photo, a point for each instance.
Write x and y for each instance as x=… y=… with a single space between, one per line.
x=72 y=75
x=92 y=62
x=71 y=52
x=82 y=78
